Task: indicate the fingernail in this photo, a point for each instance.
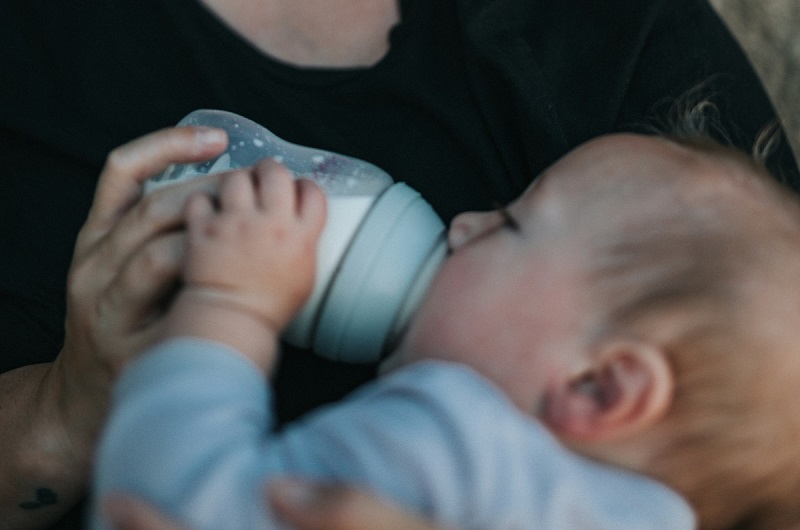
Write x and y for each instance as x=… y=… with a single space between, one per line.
x=208 y=136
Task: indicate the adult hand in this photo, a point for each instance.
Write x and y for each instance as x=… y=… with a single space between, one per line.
x=318 y=506
x=303 y=505
x=127 y=513
x=127 y=257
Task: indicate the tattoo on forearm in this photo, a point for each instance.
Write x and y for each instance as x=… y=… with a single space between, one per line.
x=44 y=497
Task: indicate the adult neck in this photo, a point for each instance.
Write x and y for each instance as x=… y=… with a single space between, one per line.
x=322 y=33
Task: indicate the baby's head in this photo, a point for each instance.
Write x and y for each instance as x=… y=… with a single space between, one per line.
x=700 y=262
x=643 y=301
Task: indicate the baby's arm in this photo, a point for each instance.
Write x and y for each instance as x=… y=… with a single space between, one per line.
x=190 y=434
x=250 y=264
x=250 y=260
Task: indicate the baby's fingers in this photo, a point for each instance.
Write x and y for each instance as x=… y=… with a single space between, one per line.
x=276 y=191
x=280 y=192
x=237 y=193
x=311 y=205
x=199 y=207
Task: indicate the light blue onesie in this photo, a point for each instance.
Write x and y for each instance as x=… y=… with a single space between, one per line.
x=192 y=432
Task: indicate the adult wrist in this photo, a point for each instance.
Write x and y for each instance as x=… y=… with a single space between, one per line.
x=73 y=409
x=48 y=446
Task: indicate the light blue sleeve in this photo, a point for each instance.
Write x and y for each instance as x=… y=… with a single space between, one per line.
x=191 y=433
x=187 y=426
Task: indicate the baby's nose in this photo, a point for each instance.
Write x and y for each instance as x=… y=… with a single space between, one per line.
x=468 y=225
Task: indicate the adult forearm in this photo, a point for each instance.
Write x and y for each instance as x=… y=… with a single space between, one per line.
x=126 y=260
x=44 y=467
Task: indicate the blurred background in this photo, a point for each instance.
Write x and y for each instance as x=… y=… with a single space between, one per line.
x=769 y=32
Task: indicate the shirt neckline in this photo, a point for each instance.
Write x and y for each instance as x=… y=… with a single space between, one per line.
x=236 y=44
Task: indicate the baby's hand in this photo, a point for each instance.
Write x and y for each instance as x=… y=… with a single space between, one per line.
x=252 y=251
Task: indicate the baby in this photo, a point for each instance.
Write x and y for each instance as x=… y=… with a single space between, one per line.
x=615 y=349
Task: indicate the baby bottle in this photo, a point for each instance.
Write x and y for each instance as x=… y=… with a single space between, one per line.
x=380 y=248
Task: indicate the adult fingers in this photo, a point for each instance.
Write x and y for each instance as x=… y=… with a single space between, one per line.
x=141 y=285
x=127 y=513
x=158 y=212
x=317 y=506
x=109 y=324
x=131 y=164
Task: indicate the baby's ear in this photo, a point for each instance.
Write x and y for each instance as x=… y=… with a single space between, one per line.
x=626 y=388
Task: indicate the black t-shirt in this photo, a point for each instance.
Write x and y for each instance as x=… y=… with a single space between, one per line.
x=473 y=100
x=88 y=83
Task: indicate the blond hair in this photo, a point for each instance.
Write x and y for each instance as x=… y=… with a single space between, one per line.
x=719 y=253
